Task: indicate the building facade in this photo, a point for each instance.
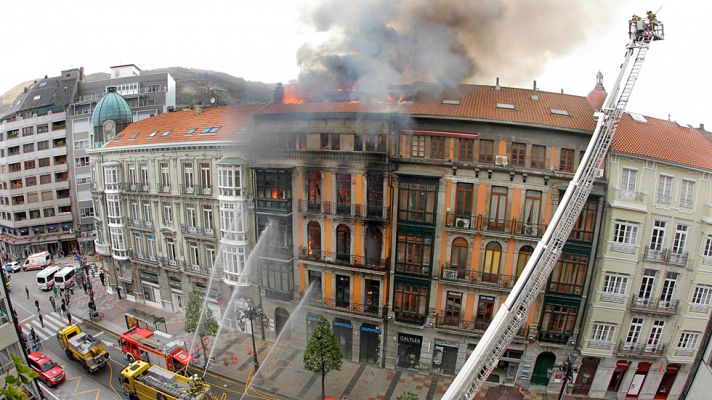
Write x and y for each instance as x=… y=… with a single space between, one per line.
x=35 y=199
x=650 y=301
x=147 y=95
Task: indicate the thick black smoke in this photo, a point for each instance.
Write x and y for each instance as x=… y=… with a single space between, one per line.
x=374 y=44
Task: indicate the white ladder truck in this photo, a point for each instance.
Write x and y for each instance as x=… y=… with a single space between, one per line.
x=514 y=310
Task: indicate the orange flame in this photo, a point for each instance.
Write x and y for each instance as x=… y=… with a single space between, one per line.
x=291 y=96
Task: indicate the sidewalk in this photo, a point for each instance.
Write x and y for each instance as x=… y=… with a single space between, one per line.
x=281 y=370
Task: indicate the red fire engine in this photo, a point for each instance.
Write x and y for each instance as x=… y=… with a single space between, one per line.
x=154 y=347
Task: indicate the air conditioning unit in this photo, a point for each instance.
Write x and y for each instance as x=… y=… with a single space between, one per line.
x=450 y=274
x=599 y=173
x=462 y=223
x=501 y=161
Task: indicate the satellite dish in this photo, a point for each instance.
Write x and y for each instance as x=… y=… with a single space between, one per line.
x=212 y=100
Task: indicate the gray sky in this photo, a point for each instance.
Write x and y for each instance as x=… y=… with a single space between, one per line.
x=258 y=40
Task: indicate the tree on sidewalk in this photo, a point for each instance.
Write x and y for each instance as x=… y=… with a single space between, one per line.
x=322 y=354
x=208 y=326
x=407 y=396
x=14 y=388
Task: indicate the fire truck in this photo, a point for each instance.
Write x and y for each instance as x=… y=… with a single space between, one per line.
x=142 y=381
x=155 y=347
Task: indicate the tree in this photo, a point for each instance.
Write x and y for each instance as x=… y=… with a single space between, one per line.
x=407 y=396
x=322 y=353
x=14 y=385
x=208 y=326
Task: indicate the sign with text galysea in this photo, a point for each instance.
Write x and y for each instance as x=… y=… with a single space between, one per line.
x=409 y=339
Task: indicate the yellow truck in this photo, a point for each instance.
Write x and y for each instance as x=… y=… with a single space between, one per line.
x=143 y=381
x=82 y=347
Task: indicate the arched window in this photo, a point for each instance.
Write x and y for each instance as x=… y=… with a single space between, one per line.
x=458 y=256
x=524 y=253
x=343 y=243
x=493 y=254
x=314 y=239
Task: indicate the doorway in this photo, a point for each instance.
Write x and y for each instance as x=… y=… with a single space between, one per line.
x=541 y=368
x=638 y=380
x=281 y=316
x=589 y=365
x=667 y=381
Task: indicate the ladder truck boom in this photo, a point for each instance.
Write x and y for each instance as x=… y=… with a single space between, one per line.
x=514 y=310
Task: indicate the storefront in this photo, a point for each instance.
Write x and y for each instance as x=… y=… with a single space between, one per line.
x=409 y=350
x=176 y=293
x=445 y=356
x=506 y=370
x=667 y=381
x=150 y=289
x=638 y=380
x=370 y=343
x=617 y=377
x=344 y=332
x=312 y=319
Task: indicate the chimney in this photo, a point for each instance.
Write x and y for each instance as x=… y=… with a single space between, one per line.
x=496 y=86
x=702 y=126
x=198 y=109
x=535 y=94
x=278 y=96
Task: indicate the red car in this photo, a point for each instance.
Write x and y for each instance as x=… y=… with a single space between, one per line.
x=50 y=372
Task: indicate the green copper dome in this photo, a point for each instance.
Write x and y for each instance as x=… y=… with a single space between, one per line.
x=112 y=107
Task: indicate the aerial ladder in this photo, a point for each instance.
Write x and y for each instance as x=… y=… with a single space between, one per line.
x=514 y=310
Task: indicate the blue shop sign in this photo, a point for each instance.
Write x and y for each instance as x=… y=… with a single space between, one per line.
x=343 y=324
x=312 y=318
x=374 y=330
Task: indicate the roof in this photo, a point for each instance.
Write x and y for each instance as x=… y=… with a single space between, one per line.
x=46 y=93
x=212 y=124
x=663 y=140
x=477 y=102
x=111 y=107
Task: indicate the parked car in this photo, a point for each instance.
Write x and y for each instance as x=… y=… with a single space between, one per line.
x=12 y=267
x=37 y=261
x=50 y=372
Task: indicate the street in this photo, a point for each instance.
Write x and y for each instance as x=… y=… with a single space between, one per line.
x=80 y=385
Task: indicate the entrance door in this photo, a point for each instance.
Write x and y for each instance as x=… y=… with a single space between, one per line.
x=543 y=363
x=281 y=316
x=667 y=381
x=452 y=308
x=638 y=380
x=585 y=376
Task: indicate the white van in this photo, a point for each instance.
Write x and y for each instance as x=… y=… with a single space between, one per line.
x=65 y=277
x=45 y=278
x=37 y=261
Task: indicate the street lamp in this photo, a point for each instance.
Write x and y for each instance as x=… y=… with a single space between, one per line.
x=252 y=312
x=568 y=369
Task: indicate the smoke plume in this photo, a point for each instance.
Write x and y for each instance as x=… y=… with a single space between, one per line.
x=375 y=44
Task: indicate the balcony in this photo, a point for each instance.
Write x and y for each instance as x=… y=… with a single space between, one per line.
x=349 y=307
x=165 y=189
x=630 y=195
x=283 y=205
x=310 y=207
x=684 y=352
x=137 y=188
x=653 y=306
x=666 y=256
x=347 y=260
x=136 y=223
x=120 y=255
x=454 y=323
x=196 y=190
x=113 y=187
x=599 y=344
x=410 y=317
x=170 y=263
x=413 y=269
x=640 y=349
x=477 y=278
x=374 y=213
x=554 y=337
x=198 y=269
x=482 y=224
x=142 y=258
x=197 y=231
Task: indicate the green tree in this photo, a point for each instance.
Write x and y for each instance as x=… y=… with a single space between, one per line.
x=14 y=384
x=208 y=326
x=323 y=353
x=407 y=396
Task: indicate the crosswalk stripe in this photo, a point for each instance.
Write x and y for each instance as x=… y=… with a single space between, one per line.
x=43 y=332
x=56 y=320
x=52 y=324
x=40 y=333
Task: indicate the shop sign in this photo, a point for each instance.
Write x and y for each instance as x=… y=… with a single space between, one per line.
x=371 y=329
x=343 y=324
x=446 y=343
x=410 y=339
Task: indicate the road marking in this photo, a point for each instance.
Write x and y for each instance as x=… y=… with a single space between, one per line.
x=46 y=390
x=99 y=334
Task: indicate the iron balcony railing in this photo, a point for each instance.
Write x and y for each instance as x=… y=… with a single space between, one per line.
x=171 y=263
x=113 y=186
x=410 y=317
x=197 y=269
x=348 y=260
x=554 y=337
x=458 y=324
x=640 y=349
x=137 y=223
x=630 y=195
x=414 y=269
x=652 y=305
x=138 y=187
x=143 y=257
x=372 y=310
x=197 y=231
x=362 y=211
x=480 y=223
x=196 y=190
x=477 y=278
x=666 y=256
x=274 y=204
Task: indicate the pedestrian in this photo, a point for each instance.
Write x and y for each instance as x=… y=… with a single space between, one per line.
x=84 y=286
x=53 y=303
x=27 y=292
x=63 y=307
x=33 y=334
x=69 y=317
x=41 y=320
x=14 y=315
x=101 y=277
x=54 y=291
x=37 y=304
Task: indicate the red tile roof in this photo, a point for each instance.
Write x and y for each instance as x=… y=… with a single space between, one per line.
x=231 y=120
x=663 y=140
x=476 y=102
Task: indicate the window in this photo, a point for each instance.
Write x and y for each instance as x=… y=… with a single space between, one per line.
x=206 y=180
x=138 y=245
x=625 y=235
x=210 y=256
x=343 y=243
x=532 y=208
x=150 y=247
x=417 y=146
x=147 y=212
x=453 y=307
x=557 y=322
x=28 y=131
x=194 y=254
x=655 y=334
x=144 y=174
x=44 y=128
x=410 y=302
x=314 y=239
x=486 y=151
x=519 y=154
x=628 y=182
x=687 y=194
x=190 y=131
x=701 y=297
x=188 y=177
x=524 y=254
x=417 y=201
x=81 y=161
x=668 y=289
x=28 y=148
x=664 y=189
x=86 y=212
x=569 y=274
x=43 y=162
x=229 y=183
x=314 y=190
x=167 y=215
x=275 y=185
x=493 y=256
x=166 y=133
x=657 y=239
x=131 y=174
x=376 y=143
x=538 y=157
x=330 y=141
x=463 y=200
x=208 y=218
x=413 y=254
x=603 y=332
x=708 y=247
x=458 y=256
x=437 y=147
x=566 y=160
x=680 y=240
x=31 y=181
x=165 y=176
x=688 y=340
x=45 y=179
x=343 y=194
x=190 y=217
x=585 y=224
x=498 y=208
x=646 y=284
x=466 y=149
x=81 y=144
x=171 y=250
x=614 y=283
x=636 y=325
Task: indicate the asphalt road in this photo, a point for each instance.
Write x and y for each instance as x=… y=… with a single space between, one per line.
x=103 y=384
